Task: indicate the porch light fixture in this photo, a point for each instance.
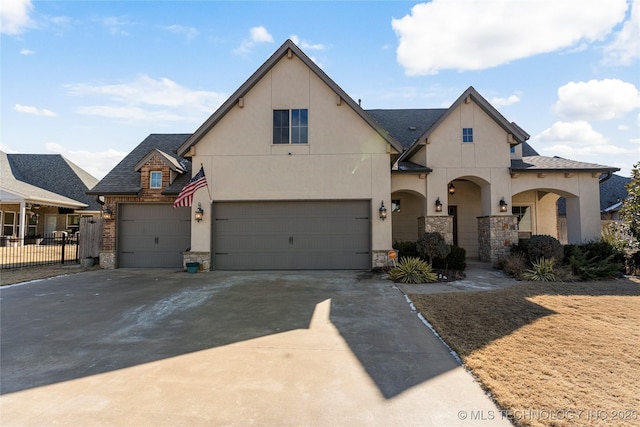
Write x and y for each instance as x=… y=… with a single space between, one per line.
x=383 y=211
x=199 y=213
x=503 y=205
x=107 y=213
x=452 y=189
x=438 y=205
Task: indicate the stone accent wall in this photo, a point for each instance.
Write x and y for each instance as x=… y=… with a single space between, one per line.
x=204 y=258
x=496 y=234
x=108 y=260
x=439 y=224
x=381 y=259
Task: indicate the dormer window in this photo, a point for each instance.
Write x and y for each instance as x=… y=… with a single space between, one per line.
x=155 y=179
x=291 y=126
x=467 y=134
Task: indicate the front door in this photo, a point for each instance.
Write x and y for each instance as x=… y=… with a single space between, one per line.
x=50 y=224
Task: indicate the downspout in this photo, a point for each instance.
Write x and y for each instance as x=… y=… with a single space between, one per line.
x=606 y=178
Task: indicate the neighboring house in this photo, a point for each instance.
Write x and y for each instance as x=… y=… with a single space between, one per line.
x=43 y=193
x=301 y=177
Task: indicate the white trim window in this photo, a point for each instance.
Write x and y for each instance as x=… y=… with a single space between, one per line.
x=291 y=126
x=155 y=179
x=9 y=223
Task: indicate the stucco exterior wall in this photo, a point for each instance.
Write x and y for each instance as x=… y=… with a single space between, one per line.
x=344 y=159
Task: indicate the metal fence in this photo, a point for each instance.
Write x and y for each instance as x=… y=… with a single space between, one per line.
x=34 y=251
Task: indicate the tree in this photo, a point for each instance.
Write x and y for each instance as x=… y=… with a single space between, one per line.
x=432 y=245
x=630 y=211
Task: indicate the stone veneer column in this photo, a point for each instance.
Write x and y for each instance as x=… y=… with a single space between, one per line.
x=496 y=234
x=204 y=258
x=440 y=224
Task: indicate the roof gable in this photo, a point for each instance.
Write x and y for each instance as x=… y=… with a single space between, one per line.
x=169 y=160
x=124 y=178
x=287 y=49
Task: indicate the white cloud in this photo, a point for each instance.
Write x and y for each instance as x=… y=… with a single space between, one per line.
x=476 y=34
x=97 y=163
x=304 y=45
x=256 y=35
x=116 y=25
x=578 y=138
x=503 y=102
x=14 y=16
x=28 y=109
x=625 y=47
x=27 y=52
x=597 y=99
x=148 y=99
x=189 y=32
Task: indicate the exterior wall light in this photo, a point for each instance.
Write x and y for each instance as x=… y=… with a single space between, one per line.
x=438 y=205
x=503 y=205
x=452 y=189
x=199 y=214
x=107 y=213
x=383 y=211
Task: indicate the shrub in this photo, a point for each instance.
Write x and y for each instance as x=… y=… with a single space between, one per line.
x=406 y=249
x=412 y=270
x=514 y=265
x=432 y=245
x=545 y=246
x=602 y=250
x=522 y=247
x=592 y=268
x=456 y=260
x=542 y=271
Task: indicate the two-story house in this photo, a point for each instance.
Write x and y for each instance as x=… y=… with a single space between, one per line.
x=301 y=177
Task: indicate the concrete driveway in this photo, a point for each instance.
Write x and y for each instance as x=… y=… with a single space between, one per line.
x=161 y=347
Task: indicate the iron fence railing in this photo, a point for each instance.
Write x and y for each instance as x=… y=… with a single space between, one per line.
x=34 y=251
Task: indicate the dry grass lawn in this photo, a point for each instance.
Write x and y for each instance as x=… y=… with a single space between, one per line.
x=547 y=351
x=19 y=275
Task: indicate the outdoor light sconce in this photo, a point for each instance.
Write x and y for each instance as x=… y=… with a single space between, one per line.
x=199 y=213
x=452 y=189
x=438 y=205
x=503 y=205
x=107 y=213
x=383 y=211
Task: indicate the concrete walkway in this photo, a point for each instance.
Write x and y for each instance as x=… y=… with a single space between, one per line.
x=157 y=347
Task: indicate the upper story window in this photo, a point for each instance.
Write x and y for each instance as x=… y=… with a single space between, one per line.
x=155 y=180
x=291 y=126
x=467 y=134
x=512 y=149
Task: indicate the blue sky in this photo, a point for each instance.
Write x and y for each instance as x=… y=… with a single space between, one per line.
x=90 y=80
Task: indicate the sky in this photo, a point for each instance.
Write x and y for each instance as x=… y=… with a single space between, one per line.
x=91 y=79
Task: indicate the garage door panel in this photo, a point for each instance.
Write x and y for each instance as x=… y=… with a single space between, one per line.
x=292 y=235
x=153 y=235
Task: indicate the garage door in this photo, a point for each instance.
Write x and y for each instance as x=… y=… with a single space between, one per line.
x=153 y=235
x=292 y=235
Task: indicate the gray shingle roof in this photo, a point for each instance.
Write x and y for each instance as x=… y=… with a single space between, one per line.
x=612 y=192
x=407 y=125
x=13 y=190
x=123 y=179
x=54 y=173
x=556 y=164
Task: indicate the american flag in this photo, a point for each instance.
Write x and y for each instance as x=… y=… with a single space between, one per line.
x=185 y=198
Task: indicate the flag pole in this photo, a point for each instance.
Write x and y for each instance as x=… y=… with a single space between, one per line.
x=208 y=189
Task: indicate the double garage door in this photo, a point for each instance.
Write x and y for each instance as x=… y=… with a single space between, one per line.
x=292 y=235
x=153 y=235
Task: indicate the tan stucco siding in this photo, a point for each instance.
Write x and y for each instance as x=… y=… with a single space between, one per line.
x=344 y=159
x=468 y=202
x=488 y=149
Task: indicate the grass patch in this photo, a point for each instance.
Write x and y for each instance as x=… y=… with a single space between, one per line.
x=549 y=346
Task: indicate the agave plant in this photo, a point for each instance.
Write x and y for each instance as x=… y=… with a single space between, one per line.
x=542 y=271
x=413 y=270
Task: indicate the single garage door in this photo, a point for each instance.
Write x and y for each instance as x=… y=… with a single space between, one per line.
x=153 y=235
x=292 y=235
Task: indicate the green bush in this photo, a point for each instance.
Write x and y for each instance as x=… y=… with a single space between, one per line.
x=545 y=246
x=406 y=249
x=602 y=250
x=542 y=271
x=456 y=260
x=412 y=270
x=522 y=247
x=592 y=268
x=432 y=245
